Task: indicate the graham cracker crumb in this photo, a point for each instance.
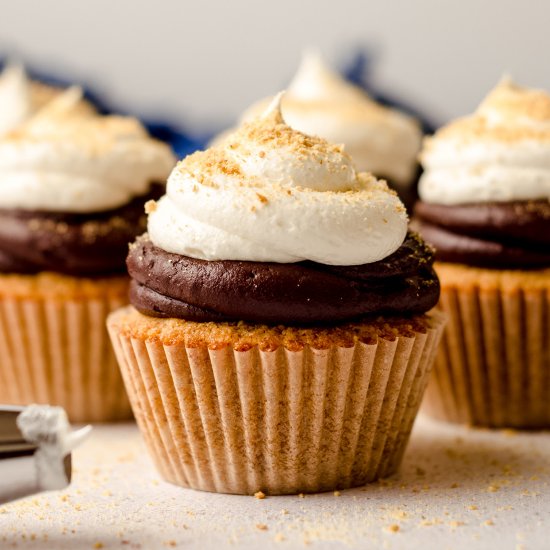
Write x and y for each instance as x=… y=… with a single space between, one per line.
x=259 y=495
x=261 y=526
x=455 y=524
x=393 y=528
x=150 y=206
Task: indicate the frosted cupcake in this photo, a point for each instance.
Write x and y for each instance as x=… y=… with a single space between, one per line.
x=381 y=140
x=278 y=339
x=21 y=98
x=485 y=207
x=72 y=188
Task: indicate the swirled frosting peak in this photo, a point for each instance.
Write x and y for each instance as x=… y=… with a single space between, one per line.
x=501 y=153
x=21 y=98
x=70 y=159
x=270 y=193
x=320 y=102
x=15 y=105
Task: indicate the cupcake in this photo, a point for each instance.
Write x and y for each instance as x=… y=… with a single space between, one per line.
x=21 y=98
x=381 y=140
x=72 y=189
x=278 y=339
x=485 y=206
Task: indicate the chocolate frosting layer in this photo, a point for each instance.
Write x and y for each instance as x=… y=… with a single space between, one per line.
x=170 y=285
x=501 y=235
x=75 y=244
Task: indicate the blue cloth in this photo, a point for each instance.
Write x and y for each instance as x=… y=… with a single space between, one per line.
x=358 y=72
x=184 y=142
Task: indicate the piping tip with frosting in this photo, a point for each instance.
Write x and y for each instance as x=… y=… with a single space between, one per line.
x=46 y=424
x=35 y=450
x=76 y=438
x=48 y=428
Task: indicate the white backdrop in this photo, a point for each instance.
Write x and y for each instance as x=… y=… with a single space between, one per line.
x=203 y=62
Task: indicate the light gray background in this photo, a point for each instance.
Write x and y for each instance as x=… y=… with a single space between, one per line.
x=203 y=62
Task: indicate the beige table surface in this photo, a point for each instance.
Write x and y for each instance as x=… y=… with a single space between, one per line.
x=458 y=488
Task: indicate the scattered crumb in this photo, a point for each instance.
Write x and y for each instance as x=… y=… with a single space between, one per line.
x=261 y=526
x=284 y=511
x=279 y=537
x=393 y=528
x=337 y=493
x=455 y=524
x=472 y=507
x=301 y=495
x=98 y=545
x=170 y=543
x=259 y=495
x=488 y=522
x=150 y=206
x=454 y=485
x=430 y=522
x=493 y=488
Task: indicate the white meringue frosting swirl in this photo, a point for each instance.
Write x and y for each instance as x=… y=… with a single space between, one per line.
x=20 y=97
x=501 y=153
x=320 y=102
x=70 y=159
x=15 y=102
x=271 y=193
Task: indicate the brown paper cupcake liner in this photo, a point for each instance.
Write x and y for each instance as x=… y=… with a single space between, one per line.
x=282 y=420
x=55 y=347
x=493 y=368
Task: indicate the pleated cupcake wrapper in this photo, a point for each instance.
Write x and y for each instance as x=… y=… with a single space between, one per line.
x=493 y=368
x=281 y=421
x=58 y=352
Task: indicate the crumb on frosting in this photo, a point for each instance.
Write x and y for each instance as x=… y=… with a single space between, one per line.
x=508 y=114
x=150 y=206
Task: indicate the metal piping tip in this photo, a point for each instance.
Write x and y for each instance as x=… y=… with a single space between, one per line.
x=35 y=450
x=12 y=442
